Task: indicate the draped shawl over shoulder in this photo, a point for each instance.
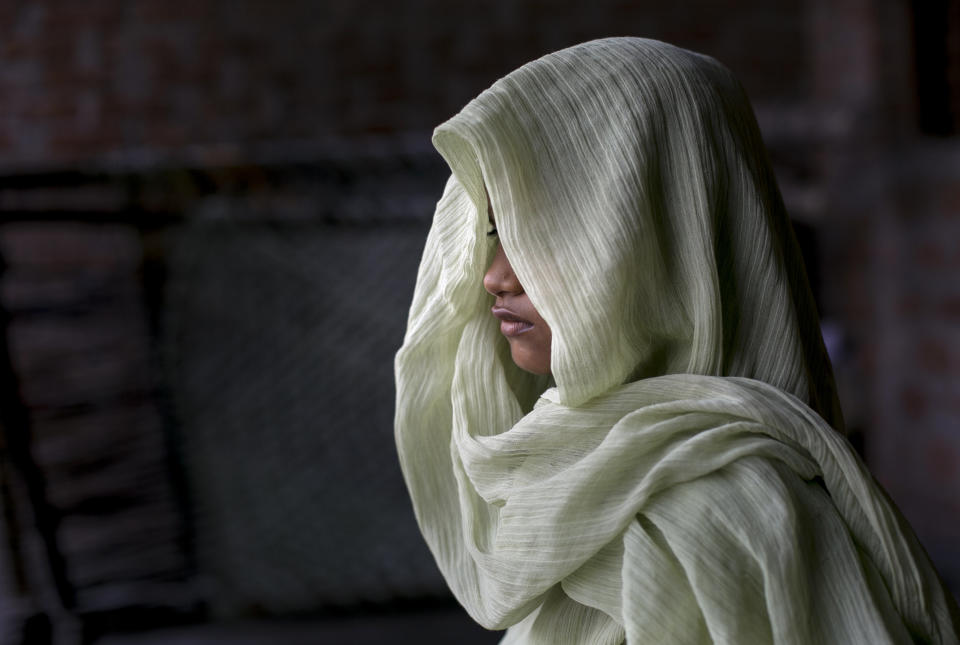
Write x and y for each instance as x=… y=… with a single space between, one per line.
x=683 y=479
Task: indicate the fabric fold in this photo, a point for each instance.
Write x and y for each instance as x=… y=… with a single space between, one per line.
x=681 y=476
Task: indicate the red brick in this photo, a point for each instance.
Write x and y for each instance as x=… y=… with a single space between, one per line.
x=914 y=401
x=949 y=309
x=935 y=357
x=943 y=461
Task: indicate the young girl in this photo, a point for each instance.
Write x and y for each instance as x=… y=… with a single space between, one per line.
x=615 y=414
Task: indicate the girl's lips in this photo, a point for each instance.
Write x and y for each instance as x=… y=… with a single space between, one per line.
x=510 y=328
x=510 y=323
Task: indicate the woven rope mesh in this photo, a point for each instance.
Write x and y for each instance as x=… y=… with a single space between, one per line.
x=279 y=343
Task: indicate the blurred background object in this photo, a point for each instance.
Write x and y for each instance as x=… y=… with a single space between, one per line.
x=211 y=215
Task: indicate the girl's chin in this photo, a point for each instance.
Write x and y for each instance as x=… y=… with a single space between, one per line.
x=529 y=361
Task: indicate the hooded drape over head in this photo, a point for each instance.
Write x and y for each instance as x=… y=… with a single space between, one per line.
x=681 y=481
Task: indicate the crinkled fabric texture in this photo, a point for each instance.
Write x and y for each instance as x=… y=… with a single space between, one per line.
x=683 y=478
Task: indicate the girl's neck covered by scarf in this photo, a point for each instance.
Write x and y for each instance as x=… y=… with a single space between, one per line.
x=683 y=477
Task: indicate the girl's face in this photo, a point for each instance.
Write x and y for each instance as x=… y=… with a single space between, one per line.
x=528 y=334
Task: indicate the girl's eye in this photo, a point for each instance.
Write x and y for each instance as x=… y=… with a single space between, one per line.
x=492 y=232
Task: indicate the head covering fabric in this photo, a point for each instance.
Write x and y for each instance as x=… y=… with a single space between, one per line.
x=630 y=177
x=675 y=482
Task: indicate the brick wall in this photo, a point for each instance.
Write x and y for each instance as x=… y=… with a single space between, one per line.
x=916 y=356
x=889 y=223
x=116 y=81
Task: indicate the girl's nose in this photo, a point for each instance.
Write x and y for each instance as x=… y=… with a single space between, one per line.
x=499 y=278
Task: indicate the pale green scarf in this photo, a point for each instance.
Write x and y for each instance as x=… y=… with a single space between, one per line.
x=679 y=484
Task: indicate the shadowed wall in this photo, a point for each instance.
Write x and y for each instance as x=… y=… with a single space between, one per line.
x=188 y=189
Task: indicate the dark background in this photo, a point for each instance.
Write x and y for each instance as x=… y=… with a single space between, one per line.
x=210 y=219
